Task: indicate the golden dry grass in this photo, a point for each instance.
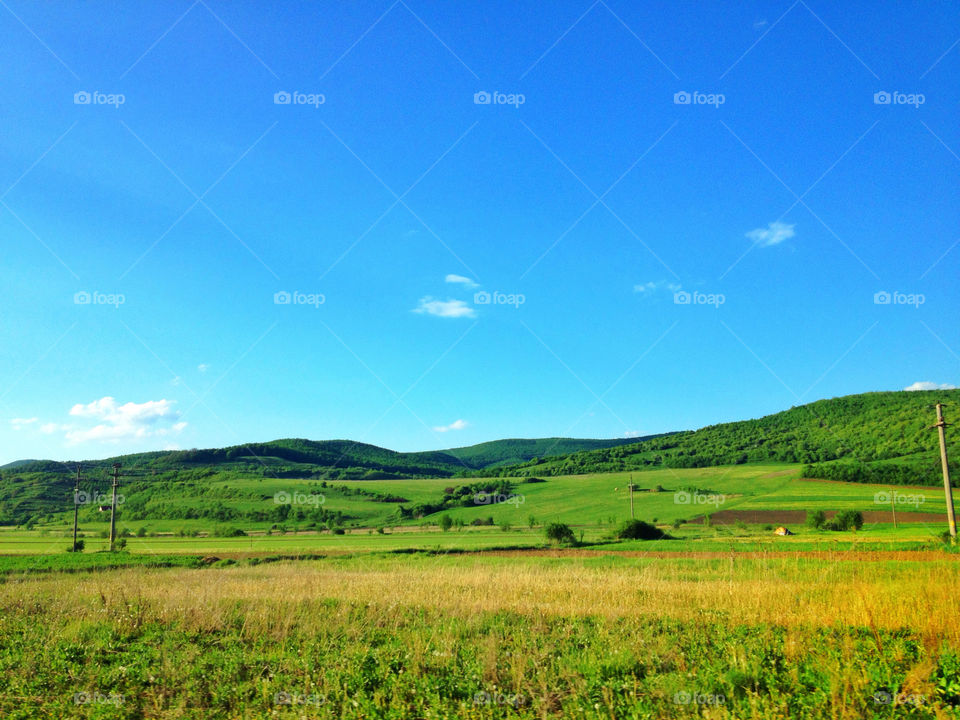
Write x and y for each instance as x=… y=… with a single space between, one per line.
x=795 y=593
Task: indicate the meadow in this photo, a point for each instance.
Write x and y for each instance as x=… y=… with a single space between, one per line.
x=401 y=619
x=497 y=634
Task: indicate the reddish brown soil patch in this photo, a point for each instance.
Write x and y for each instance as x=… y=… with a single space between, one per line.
x=798 y=517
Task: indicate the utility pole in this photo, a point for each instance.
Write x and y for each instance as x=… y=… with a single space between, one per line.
x=113 y=504
x=893 y=506
x=76 y=507
x=630 y=486
x=948 y=492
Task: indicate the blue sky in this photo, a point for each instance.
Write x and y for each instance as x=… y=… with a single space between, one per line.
x=650 y=264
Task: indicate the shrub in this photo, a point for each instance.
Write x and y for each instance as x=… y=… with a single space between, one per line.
x=446 y=522
x=639 y=530
x=338 y=531
x=846 y=520
x=228 y=531
x=559 y=533
x=79 y=547
x=816 y=519
x=677 y=523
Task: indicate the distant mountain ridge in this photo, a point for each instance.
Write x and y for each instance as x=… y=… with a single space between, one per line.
x=879 y=437
x=341 y=454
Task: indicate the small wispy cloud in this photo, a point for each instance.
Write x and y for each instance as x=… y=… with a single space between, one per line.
x=927 y=385
x=774 y=234
x=455 y=425
x=203 y=367
x=21 y=423
x=460 y=279
x=444 y=308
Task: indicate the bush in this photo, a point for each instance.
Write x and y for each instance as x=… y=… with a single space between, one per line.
x=677 y=523
x=226 y=531
x=80 y=546
x=846 y=520
x=639 y=530
x=446 y=522
x=559 y=533
x=338 y=531
x=816 y=519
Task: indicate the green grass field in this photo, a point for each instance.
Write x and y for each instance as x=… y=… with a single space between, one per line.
x=720 y=620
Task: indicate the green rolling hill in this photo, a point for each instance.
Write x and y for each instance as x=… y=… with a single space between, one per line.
x=875 y=437
x=31 y=488
x=881 y=437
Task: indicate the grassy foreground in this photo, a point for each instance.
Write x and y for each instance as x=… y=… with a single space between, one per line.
x=528 y=634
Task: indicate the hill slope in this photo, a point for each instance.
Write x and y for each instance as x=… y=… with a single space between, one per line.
x=873 y=437
x=510 y=452
x=29 y=488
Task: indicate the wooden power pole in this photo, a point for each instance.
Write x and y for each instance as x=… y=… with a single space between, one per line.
x=76 y=507
x=631 y=486
x=113 y=505
x=948 y=492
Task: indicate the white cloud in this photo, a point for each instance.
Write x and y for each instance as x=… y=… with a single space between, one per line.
x=774 y=234
x=455 y=425
x=461 y=280
x=631 y=433
x=444 y=308
x=50 y=428
x=203 y=367
x=130 y=421
x=20 y=423
x=650 y=286
x=926 y=385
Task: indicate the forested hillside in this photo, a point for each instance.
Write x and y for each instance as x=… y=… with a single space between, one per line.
x=875 y=437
